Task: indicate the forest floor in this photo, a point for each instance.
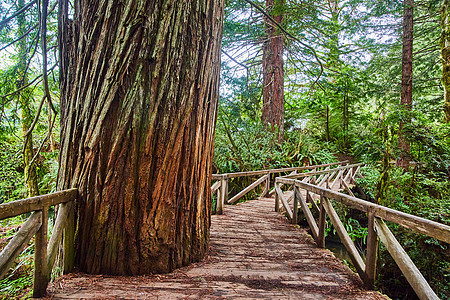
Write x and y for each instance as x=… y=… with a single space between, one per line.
x=255 y=254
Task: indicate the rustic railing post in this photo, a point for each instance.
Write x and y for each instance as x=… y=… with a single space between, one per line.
x=277 y=198
x=295 y=215
x=219 y=207
x=40 y=258
x=322 y=218
x=328 y=181
x=267 y=186
x=69 y=240
x=404 y=262
x=372 y=251
x=224 y=189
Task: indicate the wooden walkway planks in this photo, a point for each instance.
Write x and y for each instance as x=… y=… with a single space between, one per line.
x=255 y=254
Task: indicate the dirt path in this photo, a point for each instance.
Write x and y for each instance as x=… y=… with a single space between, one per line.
x=255 y=254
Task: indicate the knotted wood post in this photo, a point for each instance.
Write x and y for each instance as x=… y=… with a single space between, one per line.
x=322 y=218
x=295 y=215
x=219 y=207
x=40 y=258
x=277 y=198
x=224 y=190
x=372 y=251
x=267 y=185
x=69 y=240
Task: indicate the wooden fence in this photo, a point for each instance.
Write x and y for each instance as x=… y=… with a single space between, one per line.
x=221 y=185
x=36 y=225
x=308 y=190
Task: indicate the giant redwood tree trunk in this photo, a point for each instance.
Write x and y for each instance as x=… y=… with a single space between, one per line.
x=139 y=102
x=407 y=71
x=273 y=73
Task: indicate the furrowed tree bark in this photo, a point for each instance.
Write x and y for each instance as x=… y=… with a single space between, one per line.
x=139 y=108
x=407 y=71
x=273 y=72
x=31 y=177
x=445 y=52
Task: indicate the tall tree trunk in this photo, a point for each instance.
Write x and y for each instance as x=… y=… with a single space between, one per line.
x=31 y=177
x=407 y=71
x=273 y=73
x=445 y=50
x=334 y=63
x=139 y=106
x=345 y=117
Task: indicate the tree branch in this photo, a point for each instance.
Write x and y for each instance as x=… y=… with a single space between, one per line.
x=22 y=88
x=289 y=35
x=20 y=11
x=43 y=20
x=230 y=57
x=44 y=141
x=36 y=118
x=19 y=38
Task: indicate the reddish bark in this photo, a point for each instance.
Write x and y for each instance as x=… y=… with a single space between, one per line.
x=407 y=71
x=139 y=103
x=273 y=74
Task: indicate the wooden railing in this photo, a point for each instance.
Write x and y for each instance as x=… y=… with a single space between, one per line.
x=221 y=185
x=377 y=229
x=328 y=178
x=36 y=225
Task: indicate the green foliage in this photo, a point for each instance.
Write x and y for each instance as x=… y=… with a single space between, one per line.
x=14 y=288
x=19 y=278
x=249 y=146
x=11 y=171
x=425 y=195
x=49 y=172
x=355 y=230
x=368 y=182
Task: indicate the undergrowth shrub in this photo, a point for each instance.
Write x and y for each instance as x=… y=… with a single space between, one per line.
x=426 y=195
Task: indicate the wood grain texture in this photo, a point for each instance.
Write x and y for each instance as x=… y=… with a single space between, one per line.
x=273 y=72
x=19 y=207
x=404 y=262
x=19 y=242
x=247 y=189
x=138 y=111
x=433 y=229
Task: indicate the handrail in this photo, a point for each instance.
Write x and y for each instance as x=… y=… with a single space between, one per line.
x=23 y=206
x=319 y=178
x=376 y=229
x=221 y=185
x=36 y=225
x=271 y=171
x=420 y=225
x=308 y=174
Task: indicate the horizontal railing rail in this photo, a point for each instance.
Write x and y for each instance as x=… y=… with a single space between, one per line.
x=36 y=225
x=220 y=187
x=271 y=171
x=377 y=229
x=321 y=178
x=313 y=173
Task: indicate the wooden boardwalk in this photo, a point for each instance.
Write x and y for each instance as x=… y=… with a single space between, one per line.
x=255 y=254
